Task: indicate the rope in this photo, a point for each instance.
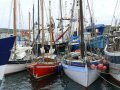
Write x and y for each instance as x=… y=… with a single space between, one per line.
x=46 y=11
x=115 y=17
x=20 y=16
x=114 y=11
x=108 y=81
x=10 y=17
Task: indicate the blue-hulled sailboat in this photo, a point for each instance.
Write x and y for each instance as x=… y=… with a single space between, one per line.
x=6 y=44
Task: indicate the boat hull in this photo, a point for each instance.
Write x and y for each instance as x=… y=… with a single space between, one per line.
x=114 y=63
x=6 y=44
x=14 y=68
x=82 y=75
x=2 y=71
x=0 y=82
x=114 y=72
x=42 y=70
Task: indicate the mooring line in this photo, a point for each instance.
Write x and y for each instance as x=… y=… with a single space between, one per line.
x=108 y=81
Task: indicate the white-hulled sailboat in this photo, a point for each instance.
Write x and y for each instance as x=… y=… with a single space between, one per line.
x=77 y=66
x=20 y=54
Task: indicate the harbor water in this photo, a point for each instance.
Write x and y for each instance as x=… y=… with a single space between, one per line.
x=22 y=81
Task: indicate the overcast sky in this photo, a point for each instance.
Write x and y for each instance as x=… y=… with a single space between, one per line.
x=103 y=11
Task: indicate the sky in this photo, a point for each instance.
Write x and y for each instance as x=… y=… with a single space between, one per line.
x=103 y=11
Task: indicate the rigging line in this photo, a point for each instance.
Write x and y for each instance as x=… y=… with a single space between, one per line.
x=89 y=9
x=70 y=26
x=45 y=10
x=114 y=13
x=118 y=16
x=21 y=14
x=65 y=9
x=91 y=18
x=72 y=12
x=10 y=16
x=92 y=9
x=84 y=13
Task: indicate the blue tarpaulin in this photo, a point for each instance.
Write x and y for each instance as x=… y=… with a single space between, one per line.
x=98 y=42
x=75 y=39
x=100 y=28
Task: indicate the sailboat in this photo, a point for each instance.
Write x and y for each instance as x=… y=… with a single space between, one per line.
x=112 y=53
x=112 y=48
x=6 y=45
x=45 y=64
x=20 y=54
x=77 y=65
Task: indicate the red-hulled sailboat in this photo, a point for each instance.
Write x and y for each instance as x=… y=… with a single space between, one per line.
x=42 y=69
x=46 y=64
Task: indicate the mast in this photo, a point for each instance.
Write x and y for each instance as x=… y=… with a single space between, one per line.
x=50 y=24
x=42 y=12
x=61 y=23
x=15 y=22
x=38 y=35
x=82 y=29
x=33 y=26
x=38 y=24
x=29 y=36
x=42 y=24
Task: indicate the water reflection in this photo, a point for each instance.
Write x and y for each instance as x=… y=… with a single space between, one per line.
x=22 y=81
x=43 y=83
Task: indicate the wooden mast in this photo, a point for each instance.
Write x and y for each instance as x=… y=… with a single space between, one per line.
x=15 y=33
x=38 y=35
x=81 y=29
x=42 y=13
x=29 y=36
x=61 y=23
x=33 y=26
x=42 y=24
x=38 y=24
x=50 y=24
